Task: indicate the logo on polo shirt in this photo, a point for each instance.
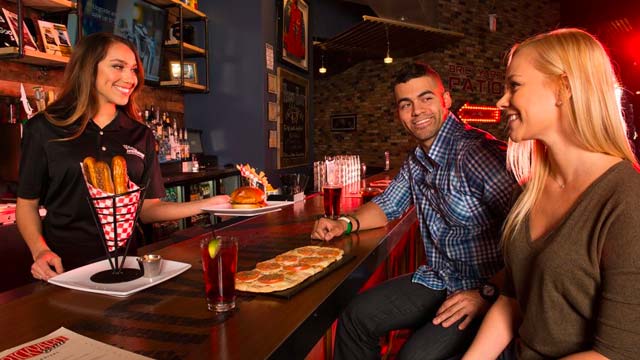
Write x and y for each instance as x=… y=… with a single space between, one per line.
x=133 y=151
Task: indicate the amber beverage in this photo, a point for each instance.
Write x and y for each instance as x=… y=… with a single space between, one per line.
x=332 y=194
x=220 y=262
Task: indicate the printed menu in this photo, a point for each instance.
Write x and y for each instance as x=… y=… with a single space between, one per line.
x=66 y=344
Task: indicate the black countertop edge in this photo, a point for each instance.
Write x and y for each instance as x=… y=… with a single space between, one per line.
x=172 y=179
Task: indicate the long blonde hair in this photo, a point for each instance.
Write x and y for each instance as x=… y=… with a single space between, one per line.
x=578 y=59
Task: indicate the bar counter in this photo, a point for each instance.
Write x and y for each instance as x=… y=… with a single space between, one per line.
x=171 y=320
x=173 y=176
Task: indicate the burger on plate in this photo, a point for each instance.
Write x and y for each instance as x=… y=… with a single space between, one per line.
x=247 y=197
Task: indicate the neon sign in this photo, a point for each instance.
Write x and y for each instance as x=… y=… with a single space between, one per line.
x=479 y=113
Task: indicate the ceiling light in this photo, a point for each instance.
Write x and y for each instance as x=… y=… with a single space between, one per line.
x=322 y=69
x=388 y=59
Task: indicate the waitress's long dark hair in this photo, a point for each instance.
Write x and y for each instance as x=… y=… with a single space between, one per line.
x=78 y=100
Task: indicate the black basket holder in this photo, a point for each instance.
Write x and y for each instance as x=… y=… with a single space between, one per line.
x=118 y=273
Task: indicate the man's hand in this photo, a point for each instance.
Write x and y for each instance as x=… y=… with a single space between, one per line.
x=467 y=303
x=41 y=268
x=326 y=229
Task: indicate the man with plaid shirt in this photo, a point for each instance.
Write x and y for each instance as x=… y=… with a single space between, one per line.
x=457 y=179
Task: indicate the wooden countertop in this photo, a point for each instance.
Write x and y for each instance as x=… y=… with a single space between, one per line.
x=170 y=320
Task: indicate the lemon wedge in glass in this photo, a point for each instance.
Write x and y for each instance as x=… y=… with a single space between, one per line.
x=214 y=246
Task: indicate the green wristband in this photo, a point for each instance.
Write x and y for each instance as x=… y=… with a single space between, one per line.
x=349 y=225
x=348 y=230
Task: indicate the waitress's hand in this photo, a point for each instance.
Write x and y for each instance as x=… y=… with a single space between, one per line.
x=327 y=229
x=217 y=200
x=46 y=262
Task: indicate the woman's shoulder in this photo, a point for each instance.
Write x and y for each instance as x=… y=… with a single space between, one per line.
x=37 y=120
x=624 y=173
x=622 y=181
x=39 y=124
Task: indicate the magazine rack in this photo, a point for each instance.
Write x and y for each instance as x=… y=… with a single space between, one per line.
x=115 y=217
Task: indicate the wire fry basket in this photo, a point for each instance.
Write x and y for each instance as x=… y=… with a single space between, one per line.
x=115 y=216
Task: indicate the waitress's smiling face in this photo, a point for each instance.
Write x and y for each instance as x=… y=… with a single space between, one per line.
x=117 y=75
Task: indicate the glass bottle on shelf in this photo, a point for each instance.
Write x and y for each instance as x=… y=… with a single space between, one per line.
x=187 y=146
x=40 y=97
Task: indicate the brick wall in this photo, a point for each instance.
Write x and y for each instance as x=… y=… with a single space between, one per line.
x=471 y=68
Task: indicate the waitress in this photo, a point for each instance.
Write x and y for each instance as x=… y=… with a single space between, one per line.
x=95 y=115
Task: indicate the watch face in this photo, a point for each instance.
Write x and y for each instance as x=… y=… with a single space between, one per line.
x=488 y=290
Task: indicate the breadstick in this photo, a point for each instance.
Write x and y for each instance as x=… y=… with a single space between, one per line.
x=89 y=165
x=120 y=178
x=103 y=176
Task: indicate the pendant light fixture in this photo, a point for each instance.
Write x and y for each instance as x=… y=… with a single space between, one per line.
x=388 y=59
x=322 y=69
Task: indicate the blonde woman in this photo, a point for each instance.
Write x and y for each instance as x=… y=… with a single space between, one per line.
x=572 y=239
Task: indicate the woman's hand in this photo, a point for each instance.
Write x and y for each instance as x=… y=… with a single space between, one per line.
x=218 y=200
x=45 y=261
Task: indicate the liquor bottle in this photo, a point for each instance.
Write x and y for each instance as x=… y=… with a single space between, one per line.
x=181 y=145
x=148 y=115
x=187 y=147
x=177 y=153
x=39 y=94
x=166 y=146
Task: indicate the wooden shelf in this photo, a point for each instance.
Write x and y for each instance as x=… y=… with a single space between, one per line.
x=50 y=5
x=188 y=12
x=34 y=57
x=189 y=50
x=187 y=86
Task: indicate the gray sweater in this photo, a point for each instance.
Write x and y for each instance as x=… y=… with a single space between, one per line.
x=579 y=286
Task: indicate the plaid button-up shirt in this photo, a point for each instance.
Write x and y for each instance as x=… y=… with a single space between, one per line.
x=462 y=193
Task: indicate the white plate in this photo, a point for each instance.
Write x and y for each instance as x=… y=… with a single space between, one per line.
x=226 y=209
x=79 y=279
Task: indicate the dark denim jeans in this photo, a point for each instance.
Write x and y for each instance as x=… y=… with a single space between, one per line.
x=399 y=304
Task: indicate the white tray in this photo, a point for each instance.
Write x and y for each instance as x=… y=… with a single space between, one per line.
x=79 y=279
x=226 y=209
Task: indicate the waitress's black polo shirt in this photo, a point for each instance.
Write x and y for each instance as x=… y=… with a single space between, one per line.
x=51 y=171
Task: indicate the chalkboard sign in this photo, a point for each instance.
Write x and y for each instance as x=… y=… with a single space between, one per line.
x=294 y=120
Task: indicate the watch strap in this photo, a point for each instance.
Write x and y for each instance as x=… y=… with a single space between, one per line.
x=489 y=292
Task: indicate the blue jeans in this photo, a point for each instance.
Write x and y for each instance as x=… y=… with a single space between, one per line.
x=400 y=304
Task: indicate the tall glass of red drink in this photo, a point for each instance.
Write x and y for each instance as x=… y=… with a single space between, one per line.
x=220 y=262
x=331 y=200
x=332 y=188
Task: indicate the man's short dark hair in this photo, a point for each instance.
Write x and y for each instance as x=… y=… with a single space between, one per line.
x=415 y=70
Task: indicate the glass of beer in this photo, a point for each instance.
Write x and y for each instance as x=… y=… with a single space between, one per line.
x=220 y=262
x=332 y=189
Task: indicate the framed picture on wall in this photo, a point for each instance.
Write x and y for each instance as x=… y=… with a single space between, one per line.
x=272 y=111
x=272 y=84
x=293 y=122
x=344 y=122
x=189 y=69
x=293 y=32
